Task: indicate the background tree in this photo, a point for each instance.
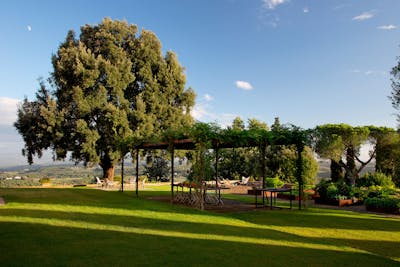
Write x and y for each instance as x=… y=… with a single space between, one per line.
x=109 y=86
x=341 y=143
x=254 y=124
x=282 y=160
x=159 y=168
x=238 y=124
x=395 y=95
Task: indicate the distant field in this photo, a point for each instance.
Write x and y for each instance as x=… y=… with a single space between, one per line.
x=89 y=227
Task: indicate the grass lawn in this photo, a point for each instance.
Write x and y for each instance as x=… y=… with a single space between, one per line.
x=89 y=227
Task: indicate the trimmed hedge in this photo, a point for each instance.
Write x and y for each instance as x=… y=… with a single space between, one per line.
x=389 y=205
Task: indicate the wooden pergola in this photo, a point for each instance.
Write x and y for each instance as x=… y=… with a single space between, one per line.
x=216 y=144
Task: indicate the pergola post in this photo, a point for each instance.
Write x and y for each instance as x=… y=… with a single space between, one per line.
x=137 y=172
x=172 y=174
x=299 y=164
x=122 y=174
x=263 y=147
x=216 y=167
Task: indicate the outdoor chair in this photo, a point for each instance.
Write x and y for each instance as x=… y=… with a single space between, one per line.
x=99 y=182
x=245 y=180
x=108 y=183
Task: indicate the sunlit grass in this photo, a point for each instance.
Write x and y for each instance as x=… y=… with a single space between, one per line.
x=72 y=226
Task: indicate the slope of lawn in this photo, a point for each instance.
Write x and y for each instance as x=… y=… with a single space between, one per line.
x=87 y=227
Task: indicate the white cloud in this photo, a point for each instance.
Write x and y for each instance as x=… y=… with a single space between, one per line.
x=208 y=97
x=341 y=6
x=375 y=72
x=202 y=112
x=8 y=110
x=199 y=111
x=306 y=10
x=243 y=85
x=369 y=72
x=364 y=16
x=271 y=4
x=355 y=71
x=387 y=27
x=29 y=28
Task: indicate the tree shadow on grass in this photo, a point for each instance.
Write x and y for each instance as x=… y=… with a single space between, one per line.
x=127 y=200
x=246 y=235
x=43 y=245
x=338 y=220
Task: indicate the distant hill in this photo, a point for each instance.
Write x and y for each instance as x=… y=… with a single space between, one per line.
x=325 y=172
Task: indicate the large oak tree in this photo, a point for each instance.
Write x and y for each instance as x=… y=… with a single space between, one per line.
x=108 y=87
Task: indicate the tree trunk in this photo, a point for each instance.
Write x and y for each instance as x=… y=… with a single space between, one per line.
x=336 y=171
x=108 y=168
x=108 y=172
x=351 y=170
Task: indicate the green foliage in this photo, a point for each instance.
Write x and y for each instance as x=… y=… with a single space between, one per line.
x=110 y=88
x=282 y=162
x=360 y=193
x=322 y=188
x=330 y=190
x=19 y=183
x=380 y=192
x=395 y=94
x=44 y=181
x=118 y=178
x=234 y=163
x=273 y=182
x=384 y=203
x=254 y=124
x=158 y=169
x=375 y=179
x=238 y=124
x=339 y=141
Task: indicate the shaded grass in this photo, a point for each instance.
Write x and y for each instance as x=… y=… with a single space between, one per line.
x=81 y=227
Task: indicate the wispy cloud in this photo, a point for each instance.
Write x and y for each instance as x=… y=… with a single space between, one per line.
x=369 y=72
x=244 y=85
x=341 y=6
x=364 y=16
x=8 y=110
x=306 y=10
x=202 y=112
x=208 y=97
x=272 y=4
x=387 y=27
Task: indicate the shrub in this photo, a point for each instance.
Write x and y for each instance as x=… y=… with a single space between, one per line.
x=332 y=190
x=388 y=204
x=117 y=178
x=360 y=194
x=44 y=181
x=322 y=188
x=273 y=182
x=344 y=189
x=17 y=183
x=327 y=189
x=375 y=179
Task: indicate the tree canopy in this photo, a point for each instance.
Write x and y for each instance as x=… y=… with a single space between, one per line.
x=108 y=87
x=395 y=95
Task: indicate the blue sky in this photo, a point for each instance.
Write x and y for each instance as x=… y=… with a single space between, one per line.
x=307 y=62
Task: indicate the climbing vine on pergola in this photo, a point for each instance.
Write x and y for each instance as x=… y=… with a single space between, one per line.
x=204 y=136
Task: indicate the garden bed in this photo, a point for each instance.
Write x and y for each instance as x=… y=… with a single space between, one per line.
x=334 y=202
x=384 y=210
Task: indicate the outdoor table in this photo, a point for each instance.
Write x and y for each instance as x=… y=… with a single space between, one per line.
x=273 y=195
x=217 y=199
